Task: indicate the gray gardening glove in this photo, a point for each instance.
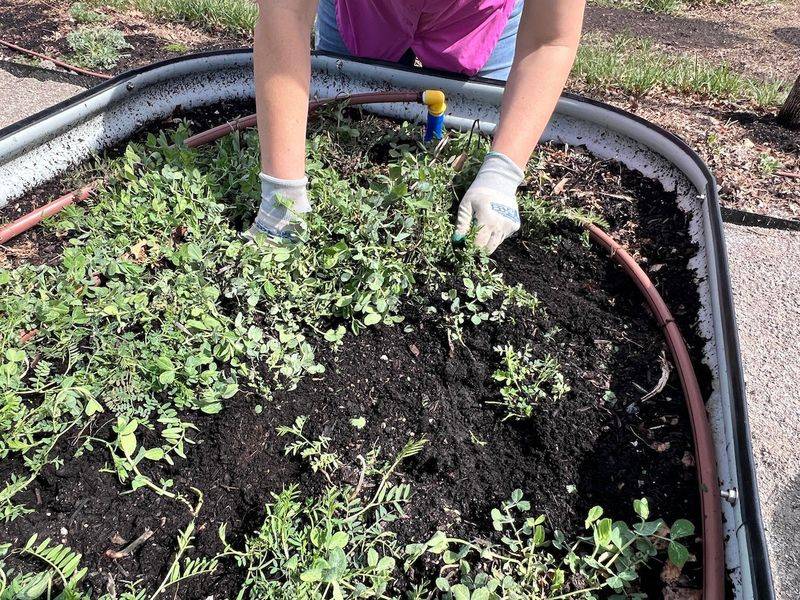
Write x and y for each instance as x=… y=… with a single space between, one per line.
x=284 y=203
x=491 y=202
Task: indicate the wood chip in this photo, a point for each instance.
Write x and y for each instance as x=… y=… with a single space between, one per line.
x=131 y=548
x=414 y=350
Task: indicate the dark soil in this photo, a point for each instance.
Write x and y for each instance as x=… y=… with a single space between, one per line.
x=408 y=381
x=755 y=39
x=43 y=27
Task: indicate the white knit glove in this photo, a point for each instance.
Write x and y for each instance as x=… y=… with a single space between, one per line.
x=283 y=204
x=491 y=202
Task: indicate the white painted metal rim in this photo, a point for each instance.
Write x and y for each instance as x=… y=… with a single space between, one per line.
x=53 y=141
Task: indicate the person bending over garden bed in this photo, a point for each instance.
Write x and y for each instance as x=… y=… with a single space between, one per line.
x=531 y=44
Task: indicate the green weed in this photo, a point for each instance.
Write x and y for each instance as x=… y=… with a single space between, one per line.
x=659 y=6
x=525 y=382
x=333 y=546
x=95 y=48
x=158 y=309
x=636 y=66
x=314 y=451
x=233 y=16
x=177 y=47
x=526 y=564
x=768 y=164
x=83 y=14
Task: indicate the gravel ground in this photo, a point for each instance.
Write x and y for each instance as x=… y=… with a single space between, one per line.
x=766 y=290
x=766 y=287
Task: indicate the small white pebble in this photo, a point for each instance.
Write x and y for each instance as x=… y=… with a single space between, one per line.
x=64 y=531
x=384 y=357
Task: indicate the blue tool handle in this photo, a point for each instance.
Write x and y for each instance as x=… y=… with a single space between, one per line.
x=434 y=128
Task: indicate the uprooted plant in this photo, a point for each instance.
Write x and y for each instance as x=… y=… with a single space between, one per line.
x=526 y=382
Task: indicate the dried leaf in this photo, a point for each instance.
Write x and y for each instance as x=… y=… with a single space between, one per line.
x=670 y=573
x=139 y=251
x=660 y=446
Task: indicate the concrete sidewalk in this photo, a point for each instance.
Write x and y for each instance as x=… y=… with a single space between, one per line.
x=766 y=284
x=765 y=274
x=24 y=95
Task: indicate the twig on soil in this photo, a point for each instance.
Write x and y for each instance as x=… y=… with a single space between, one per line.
x=361 y=476
x=616 y=196
x=792 y=174
x=662 y=382
x=130 y=548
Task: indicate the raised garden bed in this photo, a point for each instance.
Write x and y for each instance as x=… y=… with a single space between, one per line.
x=51 y=143
x=530 y=372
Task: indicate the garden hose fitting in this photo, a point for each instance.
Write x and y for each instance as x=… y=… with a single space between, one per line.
x=435 y=101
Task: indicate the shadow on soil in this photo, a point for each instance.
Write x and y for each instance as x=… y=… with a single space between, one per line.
x=789 y=35
x=669 y=30
x=42 y=74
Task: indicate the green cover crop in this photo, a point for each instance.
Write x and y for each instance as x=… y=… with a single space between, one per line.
x=158 y=309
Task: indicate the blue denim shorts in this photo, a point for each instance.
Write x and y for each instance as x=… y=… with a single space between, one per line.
x=498 y=66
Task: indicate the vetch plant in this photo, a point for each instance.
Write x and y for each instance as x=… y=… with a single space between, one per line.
x=63 y=571
x=83 y=14
x=525 y=382
x=526 y=564
x=314 y=451
x=157 y=309
x=334 y=546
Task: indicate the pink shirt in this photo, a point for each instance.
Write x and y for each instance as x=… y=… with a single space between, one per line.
x=453 y=35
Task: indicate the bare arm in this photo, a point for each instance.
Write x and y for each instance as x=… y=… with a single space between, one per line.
x=547 y=41
x=282 y=65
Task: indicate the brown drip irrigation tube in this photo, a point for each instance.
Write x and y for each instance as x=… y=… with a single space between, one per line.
x=55 y=61
x=705 y=457
x=25 y=222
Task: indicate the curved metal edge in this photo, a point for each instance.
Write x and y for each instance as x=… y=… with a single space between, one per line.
x=103 y=86
x=659 y=140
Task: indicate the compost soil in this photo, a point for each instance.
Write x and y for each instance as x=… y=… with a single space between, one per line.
x=600 y=444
